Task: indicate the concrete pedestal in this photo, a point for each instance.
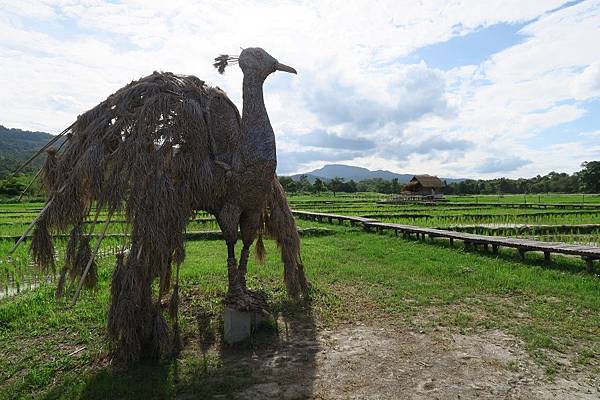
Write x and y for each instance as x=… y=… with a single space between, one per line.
x=240 y=325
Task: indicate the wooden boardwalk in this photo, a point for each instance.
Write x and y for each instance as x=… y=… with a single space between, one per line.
x=499 y=204
x=316 y=216
x=587 y=253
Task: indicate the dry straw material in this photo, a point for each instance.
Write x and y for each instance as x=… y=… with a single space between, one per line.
x=156 y=151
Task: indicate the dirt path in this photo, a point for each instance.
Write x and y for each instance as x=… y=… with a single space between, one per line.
x=376 y=362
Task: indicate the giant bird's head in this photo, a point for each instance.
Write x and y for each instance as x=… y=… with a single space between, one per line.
x=253 y=60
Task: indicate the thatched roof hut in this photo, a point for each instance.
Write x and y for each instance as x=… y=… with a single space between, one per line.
x=425 y=185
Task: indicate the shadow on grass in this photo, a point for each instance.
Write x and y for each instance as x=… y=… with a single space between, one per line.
x=278 y=358
x=142 y=381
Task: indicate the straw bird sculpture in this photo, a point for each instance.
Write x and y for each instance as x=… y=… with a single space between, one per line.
x=156 y=151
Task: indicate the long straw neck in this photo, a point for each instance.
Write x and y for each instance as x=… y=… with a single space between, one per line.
x=259 y=138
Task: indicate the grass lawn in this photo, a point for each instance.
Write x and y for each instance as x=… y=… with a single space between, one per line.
x=48 y=350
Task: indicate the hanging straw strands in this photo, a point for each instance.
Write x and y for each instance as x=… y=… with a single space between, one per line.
x=92 y=258
x=31 y=226
x=146 y=152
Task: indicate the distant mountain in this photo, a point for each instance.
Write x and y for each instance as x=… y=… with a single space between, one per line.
x=16 y=146
x=348 y=172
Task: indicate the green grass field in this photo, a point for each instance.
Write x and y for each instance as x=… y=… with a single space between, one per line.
x=355 y=277
x=14 y=218
x=49 y=350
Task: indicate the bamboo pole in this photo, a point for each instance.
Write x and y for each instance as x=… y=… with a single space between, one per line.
x=37 y=174
x=91 y=260
x=40 y=215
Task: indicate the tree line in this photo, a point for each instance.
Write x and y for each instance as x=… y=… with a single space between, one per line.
x=585 y=181
x=337 y=185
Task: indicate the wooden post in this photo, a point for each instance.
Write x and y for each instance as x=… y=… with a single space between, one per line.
x=589 y=262
x=451 y=242
x=547 y=257
x=495 y=248
x=522 y=253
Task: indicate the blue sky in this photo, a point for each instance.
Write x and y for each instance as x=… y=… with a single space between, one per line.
x=471 y=48
x=454 y=88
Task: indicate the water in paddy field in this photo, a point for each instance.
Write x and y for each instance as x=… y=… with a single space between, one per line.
x=18 y=273
x=14 y=288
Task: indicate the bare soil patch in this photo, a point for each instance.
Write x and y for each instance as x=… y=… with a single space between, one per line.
x=357 y=361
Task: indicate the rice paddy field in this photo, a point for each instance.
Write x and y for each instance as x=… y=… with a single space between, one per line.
x=407 y=288
x=565 y=218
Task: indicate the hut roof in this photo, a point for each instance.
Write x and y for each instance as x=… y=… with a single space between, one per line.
x=428 y=181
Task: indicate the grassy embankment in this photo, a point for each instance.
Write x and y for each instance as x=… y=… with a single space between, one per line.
x=49 y=350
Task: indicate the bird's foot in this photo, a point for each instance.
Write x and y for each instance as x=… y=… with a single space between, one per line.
x=245 y=300
x=258 y=298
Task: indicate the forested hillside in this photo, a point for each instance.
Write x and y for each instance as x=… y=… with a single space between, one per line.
x=17 y=145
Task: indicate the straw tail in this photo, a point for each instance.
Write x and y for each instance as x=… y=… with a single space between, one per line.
x=281 y=226
x=260 y=252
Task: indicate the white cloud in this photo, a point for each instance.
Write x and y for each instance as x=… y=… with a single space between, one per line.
x=61 y=57
x=592 y=134
x=587 y=84
x=522 y=91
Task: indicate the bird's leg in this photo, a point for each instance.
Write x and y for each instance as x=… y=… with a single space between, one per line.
x=243 y=266
x=237 y=295
x=228 y=219
x=234 y=289
x=249 y=226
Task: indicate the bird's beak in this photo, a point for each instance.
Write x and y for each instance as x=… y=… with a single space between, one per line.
x=282 y=67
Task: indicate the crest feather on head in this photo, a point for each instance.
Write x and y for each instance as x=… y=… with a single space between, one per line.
x=224 y=60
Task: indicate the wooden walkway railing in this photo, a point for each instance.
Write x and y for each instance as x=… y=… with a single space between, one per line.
x=316 y=216
x=498 y=204
x=587 y=253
